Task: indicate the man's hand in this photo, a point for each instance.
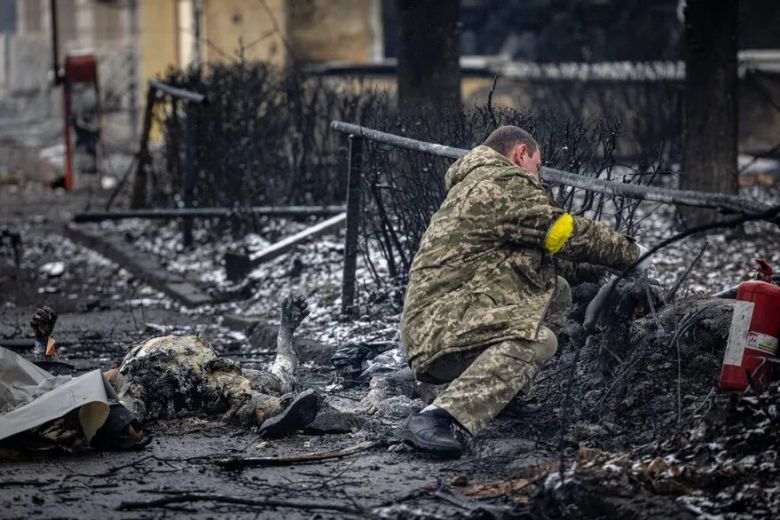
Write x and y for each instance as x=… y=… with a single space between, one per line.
x=43 y=322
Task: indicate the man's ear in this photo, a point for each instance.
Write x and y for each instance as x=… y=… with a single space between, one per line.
x=516 y=156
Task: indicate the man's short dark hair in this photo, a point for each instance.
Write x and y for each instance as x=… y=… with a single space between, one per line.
x=504 y=138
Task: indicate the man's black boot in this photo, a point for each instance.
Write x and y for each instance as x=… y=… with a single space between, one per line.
x=432 y=431
x=298 y=414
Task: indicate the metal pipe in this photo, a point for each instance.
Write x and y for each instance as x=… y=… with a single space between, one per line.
x=730 y=203
x=55 y=47
x=398 y=141
x=197 y=19
x=354 y=172
x=132 y=65
x=275 y=211
x=176 y=92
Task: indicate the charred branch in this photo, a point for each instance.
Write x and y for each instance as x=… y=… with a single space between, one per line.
x=188 y=498
x=234 y=463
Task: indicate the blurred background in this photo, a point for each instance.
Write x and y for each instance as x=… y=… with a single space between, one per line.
x=672 y=93
x=623 y=58
x=601 y=83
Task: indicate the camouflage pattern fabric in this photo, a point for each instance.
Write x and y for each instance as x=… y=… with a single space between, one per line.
x=484 y=272
x=487 y=379
x=483 y=385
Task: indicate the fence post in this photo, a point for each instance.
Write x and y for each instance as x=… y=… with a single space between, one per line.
x=139 y=195
x=190 y=168
x=354 y=172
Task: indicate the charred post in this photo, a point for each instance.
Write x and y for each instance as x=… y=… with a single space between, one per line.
x=190 y=169
x=138 y=198
x=428 y=56
x=710 y=115
x=353 y=224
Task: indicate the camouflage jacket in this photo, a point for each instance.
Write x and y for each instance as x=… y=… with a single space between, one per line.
x=483 y=272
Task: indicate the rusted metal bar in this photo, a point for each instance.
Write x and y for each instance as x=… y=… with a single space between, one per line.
x=162 y=214
x=283 y=246
x=398 y=141
x=178 y=93
x=353 y=224
x=727 y=203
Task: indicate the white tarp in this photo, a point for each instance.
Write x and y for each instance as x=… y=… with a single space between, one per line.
x=31 y=396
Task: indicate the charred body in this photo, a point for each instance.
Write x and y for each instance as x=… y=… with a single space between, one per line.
x=170 y=376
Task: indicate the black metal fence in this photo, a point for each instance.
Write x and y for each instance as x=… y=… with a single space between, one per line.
x=182 y=168
x=248 y=140
x=401 y=184
x=395 y=185
x=255 y=137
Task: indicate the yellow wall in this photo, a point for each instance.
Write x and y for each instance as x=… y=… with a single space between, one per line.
x=157 y=45
x=231 y=24
x=335 y=30
x=316 y=30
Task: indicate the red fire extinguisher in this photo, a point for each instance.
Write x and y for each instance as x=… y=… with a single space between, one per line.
x=755 y=328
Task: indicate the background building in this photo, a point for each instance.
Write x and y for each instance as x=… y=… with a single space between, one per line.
x=135 y=40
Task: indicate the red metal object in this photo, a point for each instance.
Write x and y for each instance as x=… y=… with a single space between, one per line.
x=764 y=271
x=755 y=329
x=82 y=126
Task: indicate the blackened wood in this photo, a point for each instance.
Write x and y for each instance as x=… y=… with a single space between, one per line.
x=353 y=224
x=234 y=463
x=709 y=159
x=428 y=56
x=190 y=169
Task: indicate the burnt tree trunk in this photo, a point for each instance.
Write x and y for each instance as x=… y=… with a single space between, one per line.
x=709 y=161
x=428 y=56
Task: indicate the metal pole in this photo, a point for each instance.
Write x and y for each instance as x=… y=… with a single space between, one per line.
x=729 y=203
x=197 y=16
x=176 y=92
x=354 y=173
x=190 y=169
x=132 y=68
x=55 y=46
x=174 y=213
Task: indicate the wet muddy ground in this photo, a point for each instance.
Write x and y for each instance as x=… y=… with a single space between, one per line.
x=177 y=462
x=621 y=456
x=103 y=310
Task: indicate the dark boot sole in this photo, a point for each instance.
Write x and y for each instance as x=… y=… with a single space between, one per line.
x=432 y=449
x=296 y=416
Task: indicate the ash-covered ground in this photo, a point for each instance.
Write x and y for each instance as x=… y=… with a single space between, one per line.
x=647 y=433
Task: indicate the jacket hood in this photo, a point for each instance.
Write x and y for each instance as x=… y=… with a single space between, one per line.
x=479 y=157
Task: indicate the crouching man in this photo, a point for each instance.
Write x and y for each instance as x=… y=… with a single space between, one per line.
x=483 y=299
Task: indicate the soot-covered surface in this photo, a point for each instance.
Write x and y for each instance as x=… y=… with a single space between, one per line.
x=647 y=435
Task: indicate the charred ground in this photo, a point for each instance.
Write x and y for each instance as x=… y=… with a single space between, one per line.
x=647 y=435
